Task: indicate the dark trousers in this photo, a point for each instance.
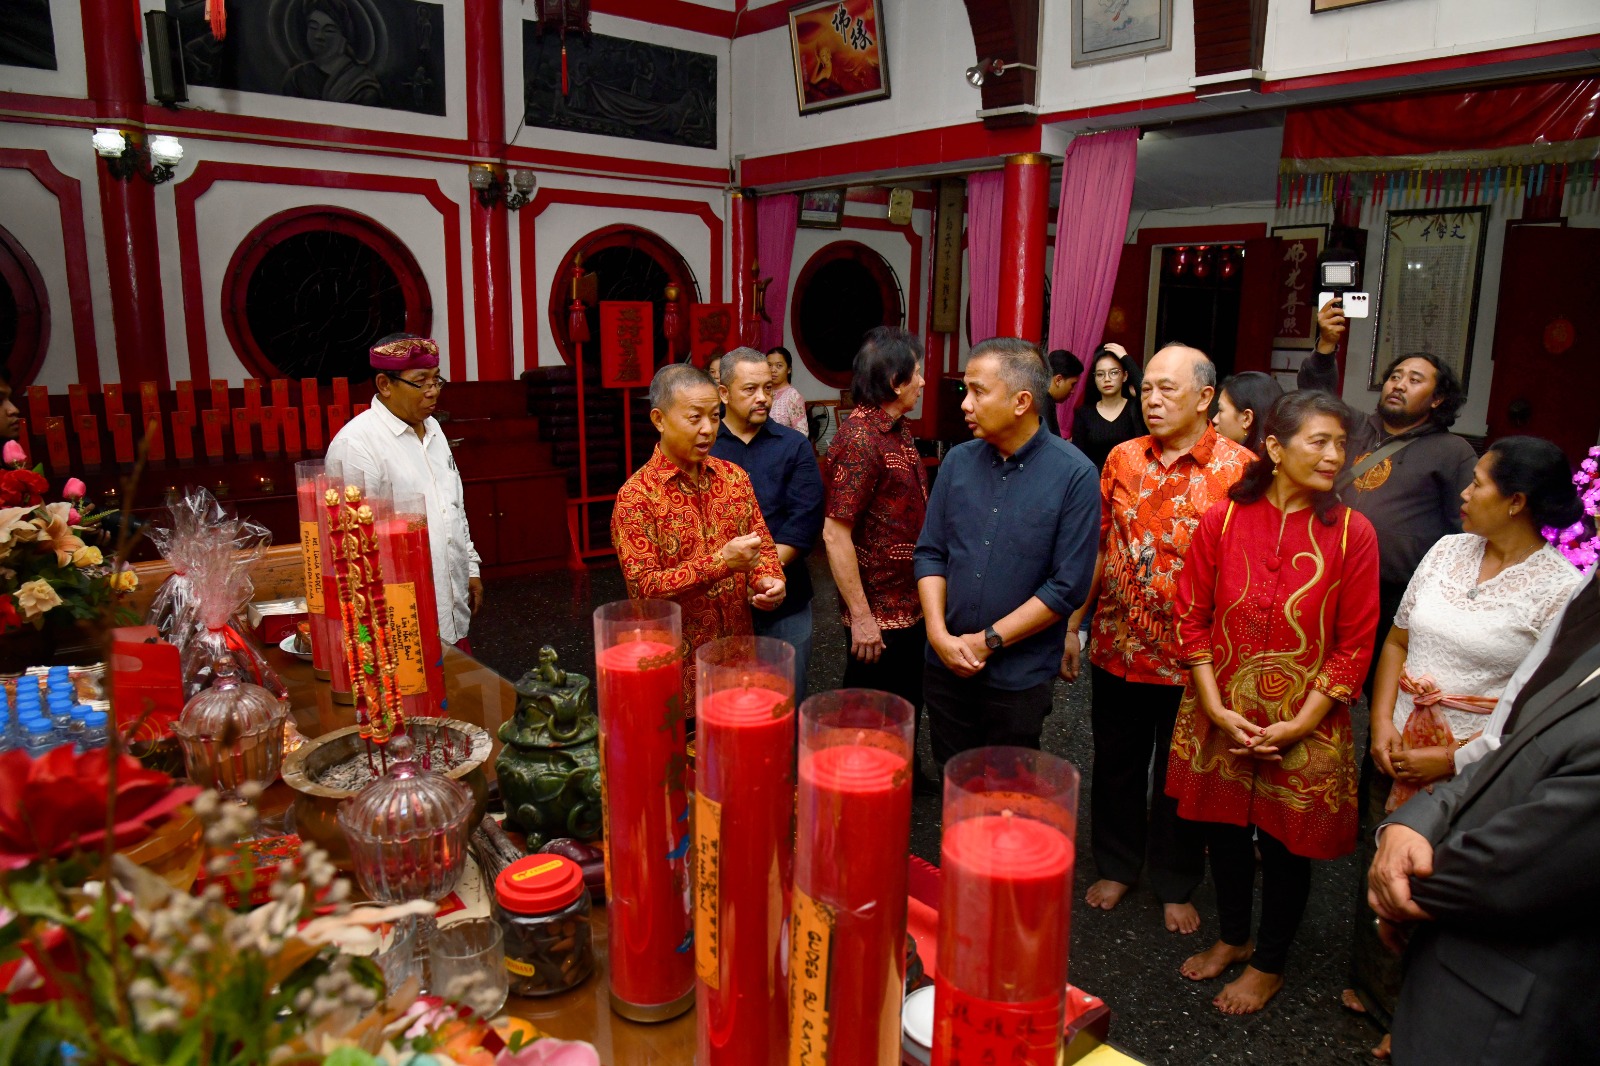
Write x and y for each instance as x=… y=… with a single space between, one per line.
x=1285 y=887
x=1131 y=815
x=897 y=671
x=965 y=713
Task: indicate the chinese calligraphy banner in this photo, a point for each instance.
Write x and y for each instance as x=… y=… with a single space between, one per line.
x=627 y=343
x=838 y=53
x=1427 y=298
x=1296 y=294
x=710 y=332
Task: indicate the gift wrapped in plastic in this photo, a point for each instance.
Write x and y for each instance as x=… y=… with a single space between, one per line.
x=194 y=526
x=219 y=576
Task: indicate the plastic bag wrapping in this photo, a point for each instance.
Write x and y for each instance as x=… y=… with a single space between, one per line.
x=220 y=586
x=191 y=518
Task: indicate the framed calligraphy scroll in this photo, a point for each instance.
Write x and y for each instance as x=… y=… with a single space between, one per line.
x=1428 y=282
x=627 y=343
x=838 y=52
x=1294 y=299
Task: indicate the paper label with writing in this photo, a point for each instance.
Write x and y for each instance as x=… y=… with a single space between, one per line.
x=810 y=980
x=983 y=1032
x=311 y=558
x=520 y=968
x=707 y=888
x=405 y=637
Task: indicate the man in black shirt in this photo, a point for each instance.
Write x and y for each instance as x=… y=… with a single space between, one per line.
x=1064 y=369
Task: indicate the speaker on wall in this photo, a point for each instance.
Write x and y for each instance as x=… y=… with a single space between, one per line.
x=166 y=58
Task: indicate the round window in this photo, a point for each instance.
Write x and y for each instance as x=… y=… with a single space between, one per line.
x=844 y=290
x=621 y=263
x=24 y=313
x=310 y=290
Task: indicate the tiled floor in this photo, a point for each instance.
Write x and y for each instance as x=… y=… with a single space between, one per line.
x=1127 y=957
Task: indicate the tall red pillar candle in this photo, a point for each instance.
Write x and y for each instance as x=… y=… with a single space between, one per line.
x=408 y=597
x=847 y=933
x=331 y=480
x=1005 y=907
x=306 y=474
x=639 y=690
x=743 y=849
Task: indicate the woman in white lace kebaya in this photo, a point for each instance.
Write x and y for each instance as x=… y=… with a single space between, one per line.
x=1471 y=613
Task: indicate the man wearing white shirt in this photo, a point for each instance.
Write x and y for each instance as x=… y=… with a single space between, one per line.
x=396 y=449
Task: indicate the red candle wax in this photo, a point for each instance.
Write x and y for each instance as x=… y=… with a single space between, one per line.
x=639 y=686
x=413 y=615
x=1004 y=917
x=744 y=810
x=848 y=938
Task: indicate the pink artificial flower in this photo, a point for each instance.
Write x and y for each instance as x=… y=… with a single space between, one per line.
x=12 y=453
x=74 y=490
x=73 y=516
x=552 y=1052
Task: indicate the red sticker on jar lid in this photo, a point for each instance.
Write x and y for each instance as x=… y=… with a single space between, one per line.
x=539 y=884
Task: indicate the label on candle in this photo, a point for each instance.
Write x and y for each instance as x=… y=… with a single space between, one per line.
x=977 y=1032
x=405 y=638
x=311 y=559
x=810 y=979
x=707 y=887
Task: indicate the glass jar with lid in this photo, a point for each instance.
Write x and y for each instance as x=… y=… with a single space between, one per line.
x=232 y=732
x=544 y=908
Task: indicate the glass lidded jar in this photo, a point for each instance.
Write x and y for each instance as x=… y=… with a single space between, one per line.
x=231 y=732
x=544 y=908
x=408 y=830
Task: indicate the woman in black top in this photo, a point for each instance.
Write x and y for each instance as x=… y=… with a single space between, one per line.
x=1109 y=413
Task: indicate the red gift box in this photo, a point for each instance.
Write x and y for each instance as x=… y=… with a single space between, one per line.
x=272 y=620
x=238 y=883
x=146 y=681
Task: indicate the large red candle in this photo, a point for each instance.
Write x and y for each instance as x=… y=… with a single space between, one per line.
x=1005 y=907
x=309 y=500
x=413 y=614
x=338 y=667
x=744 y=848
x=848 y=931
x=639 y=687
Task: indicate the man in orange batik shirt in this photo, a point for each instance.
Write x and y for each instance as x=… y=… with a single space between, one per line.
x=687 y=526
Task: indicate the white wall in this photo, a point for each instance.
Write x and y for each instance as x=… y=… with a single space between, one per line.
x=69 y=78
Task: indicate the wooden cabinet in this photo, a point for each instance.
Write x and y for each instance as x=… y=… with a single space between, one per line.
x=519 y=522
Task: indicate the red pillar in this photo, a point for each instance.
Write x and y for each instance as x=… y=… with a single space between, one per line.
x=742 y=237
x=127 y=208
x=1025 y=215
x=491 y=236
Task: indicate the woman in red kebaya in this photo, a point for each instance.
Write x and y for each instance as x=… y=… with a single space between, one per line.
x=1277 y=607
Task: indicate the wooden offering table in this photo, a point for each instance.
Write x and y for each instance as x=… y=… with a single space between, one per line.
x=477 y=695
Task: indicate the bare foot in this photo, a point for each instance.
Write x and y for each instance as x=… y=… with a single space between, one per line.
x=1352 y=1002
x=1382 y=1050
x=1248 y=992
x=1210 y=963
x=1106 y=894
x=1181 y=917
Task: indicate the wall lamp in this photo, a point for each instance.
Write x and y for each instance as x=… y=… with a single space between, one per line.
x=515 y=190
x=992 y=68
x=126 y=155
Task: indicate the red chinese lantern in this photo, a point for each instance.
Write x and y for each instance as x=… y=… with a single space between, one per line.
x=1202 y=261
x=1180 y=260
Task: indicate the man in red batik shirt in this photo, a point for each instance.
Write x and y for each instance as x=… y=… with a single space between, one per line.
x=687 y=526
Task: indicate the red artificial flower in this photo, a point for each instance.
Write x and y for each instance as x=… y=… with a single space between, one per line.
x=22 y=488
x=56 y=803
x=9 y=618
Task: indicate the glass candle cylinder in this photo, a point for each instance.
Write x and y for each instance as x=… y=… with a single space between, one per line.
x=847 y=935
x=413 y=613
x=1005 y=907
x=306 y=474
x=639 y=692
x=743 y=848
x=332 y=480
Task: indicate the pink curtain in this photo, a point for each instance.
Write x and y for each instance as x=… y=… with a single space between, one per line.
x=984 y=192
x=1091 y=225
x=776 y=216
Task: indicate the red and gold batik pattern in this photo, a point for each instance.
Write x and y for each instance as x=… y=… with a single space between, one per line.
x=1148 y=512
x=669 y=529
x=1279 y=605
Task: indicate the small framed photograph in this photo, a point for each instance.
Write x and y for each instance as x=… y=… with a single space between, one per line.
x=1319 y=6
x=839 y=56
x=1102 y=31
x=822 y=208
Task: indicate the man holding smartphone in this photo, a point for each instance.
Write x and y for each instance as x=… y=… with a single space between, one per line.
x=1321 y=368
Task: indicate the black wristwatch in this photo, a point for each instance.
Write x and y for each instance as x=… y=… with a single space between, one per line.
x=994 y=640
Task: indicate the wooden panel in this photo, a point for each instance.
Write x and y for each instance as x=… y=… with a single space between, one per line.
x=1228 y=35
x=1257 y=306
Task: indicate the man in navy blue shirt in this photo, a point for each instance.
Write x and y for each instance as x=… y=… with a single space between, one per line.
x=1006 y=555
x=783 y=470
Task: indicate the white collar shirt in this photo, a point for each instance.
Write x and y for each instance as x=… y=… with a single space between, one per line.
x=391 y=461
